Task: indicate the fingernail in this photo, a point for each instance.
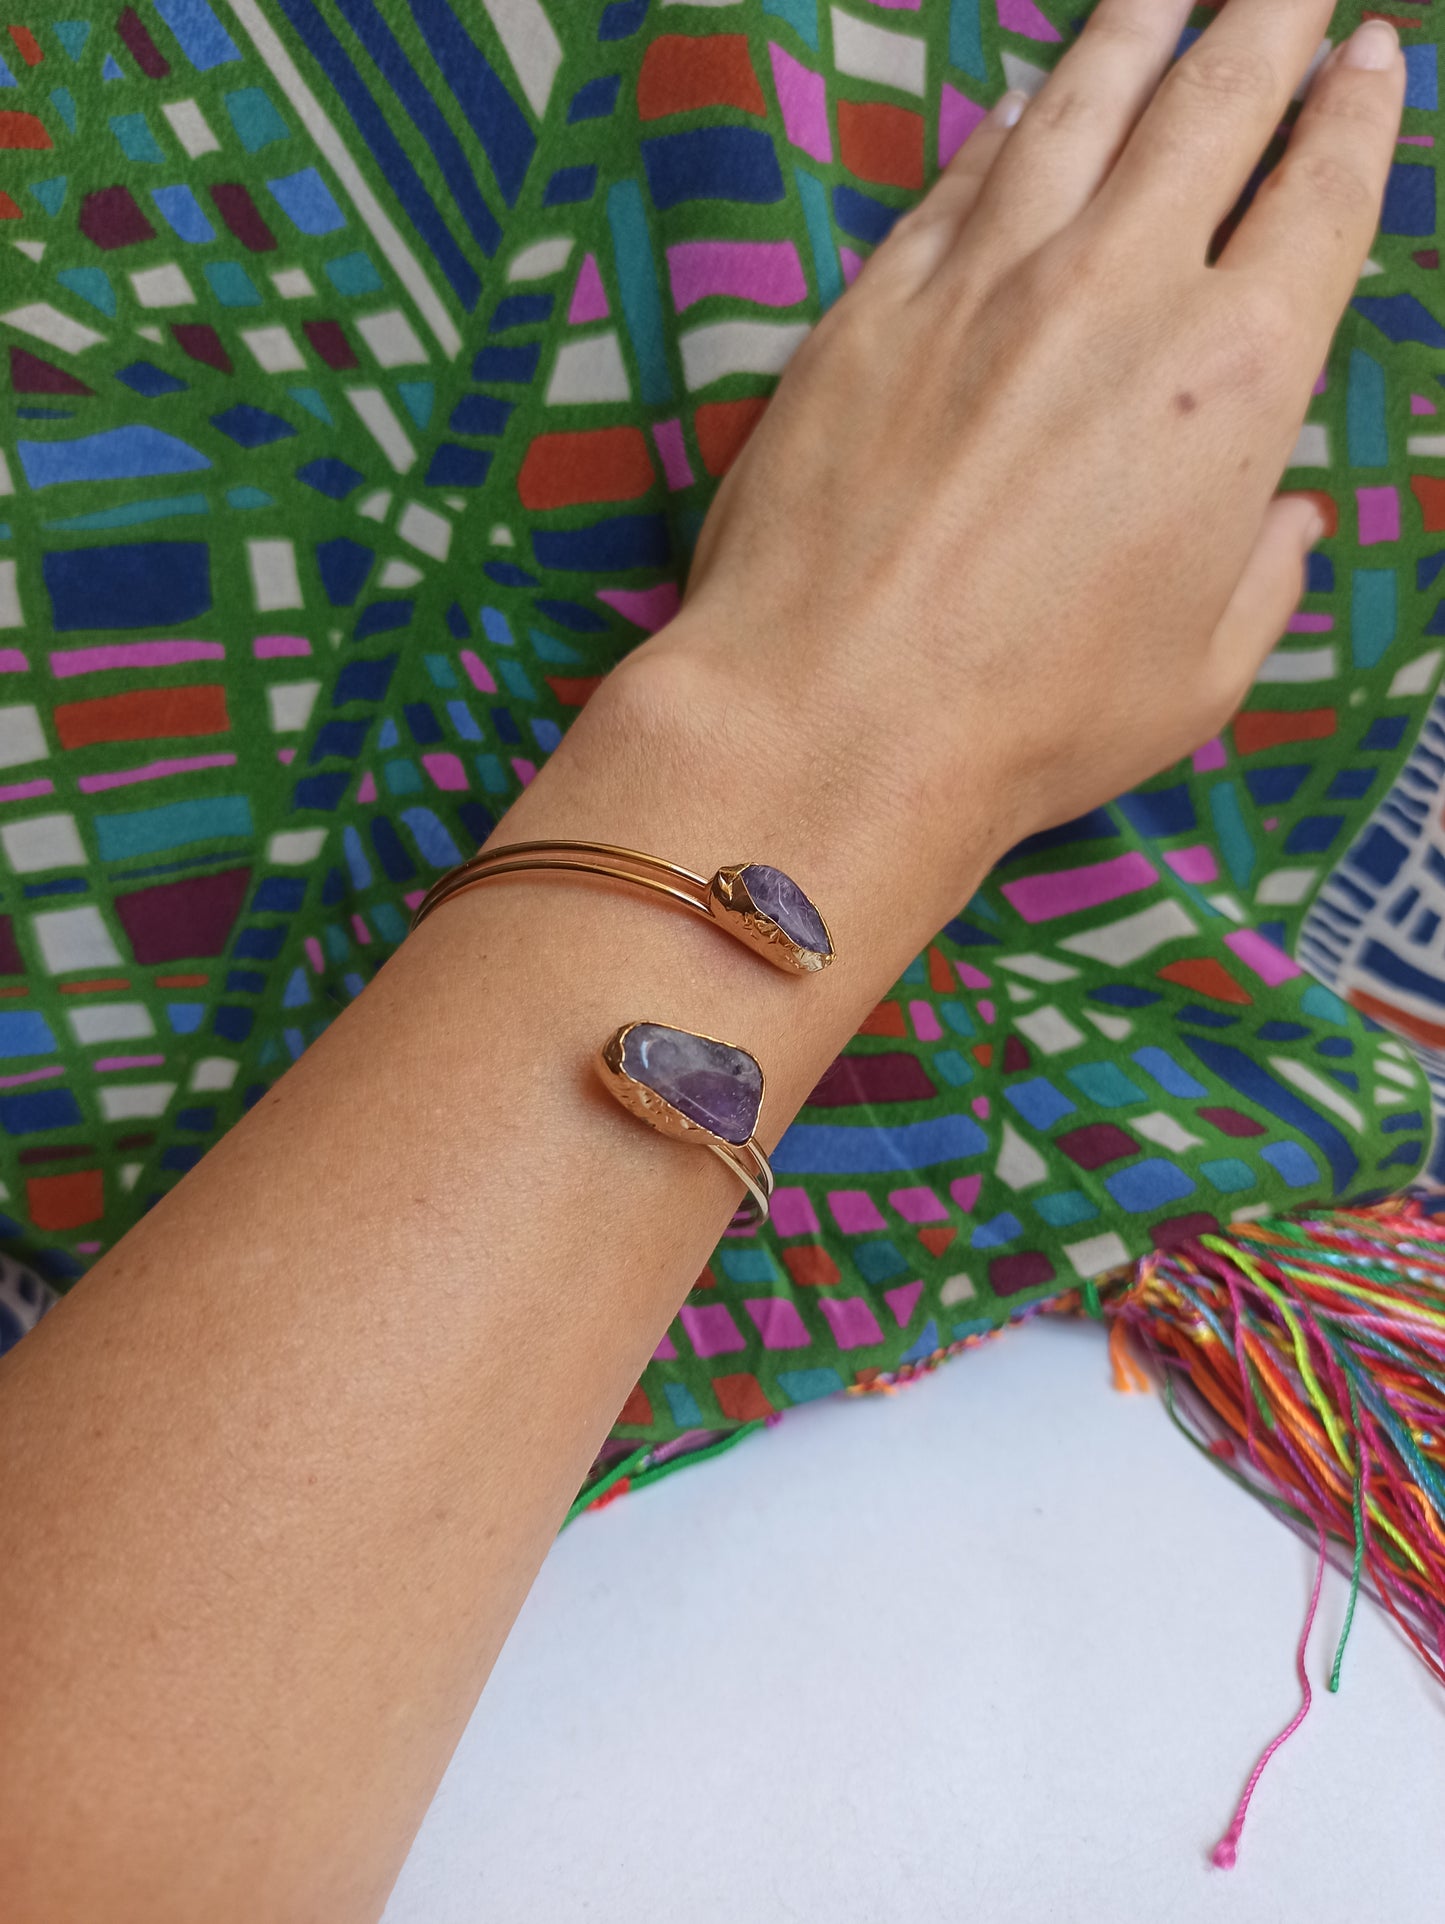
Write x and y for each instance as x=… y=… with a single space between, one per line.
x=1315 y=528
x=1009 y=110
x=1373 y=46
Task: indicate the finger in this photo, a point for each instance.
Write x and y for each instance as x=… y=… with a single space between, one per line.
x=1080 y=119
x=924 y=236
x=1310 y=226
x=1202 y=135
x=1268 y=591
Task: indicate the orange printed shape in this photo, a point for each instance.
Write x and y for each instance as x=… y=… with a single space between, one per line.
x=1432 y=1034
x=142 y=714
x=574 y=690
x=881 y=143
x=637 y=1408
x=68 y=1201
x=741 y=1397
x=27 y=46
x=810 y=1267
x=9 y=209
x=23 y=130
x=681 y=72
x=886 y=1019
x=1205 y=976
x=1429 y=491
x=723 y=426
x=601 y=464
x=1267 y=727
x=937 y=1237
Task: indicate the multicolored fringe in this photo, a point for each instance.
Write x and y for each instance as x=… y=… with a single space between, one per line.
x=1307 y=1355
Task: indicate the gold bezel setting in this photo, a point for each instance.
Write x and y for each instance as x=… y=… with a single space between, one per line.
x=744 y=1160
x=731 y=905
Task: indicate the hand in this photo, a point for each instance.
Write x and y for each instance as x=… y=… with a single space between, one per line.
x=1006 y=531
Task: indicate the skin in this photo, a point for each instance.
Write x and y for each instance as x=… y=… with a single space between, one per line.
x=279 y=1472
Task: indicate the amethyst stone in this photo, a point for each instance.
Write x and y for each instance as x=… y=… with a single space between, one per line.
x=779 y=898
x=708 y=1082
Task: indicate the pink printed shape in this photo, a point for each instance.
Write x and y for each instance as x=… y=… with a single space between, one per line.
x=446 y=770
x=854 y=1211
x=132 y=654
x=589 y=296
x=964 y=1191
x=1419 y=405
x=270 y=647
x=1257 y=952
x=1302 y=623
x=973 y=978
x=793 y=1214
x=768 y=272
x=1379 y=511
x=957 y=118
x=366 y=791
x=851 y=263
x=672 y=452
x=665 y=1351
x=925 y=1022
x=903 y=1301
x=1209 y=756
x=27 y=791
x=1022 y=16
x=13 y=662
x=711 y=1329
x=778 y=1321
x=1042 y=898
x=649 y=608
x=480 y=674
x=1196 y=864
x=804 y=101
x=918 y=1205
x=852 y=1322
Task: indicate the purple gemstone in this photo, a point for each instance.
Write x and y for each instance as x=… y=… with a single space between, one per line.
x=783 y=902
x=710 y=1083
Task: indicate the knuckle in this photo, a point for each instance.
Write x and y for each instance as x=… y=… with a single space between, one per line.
x=1225 y=74
x=1062 y=107
x=1124 y=23
x=1263 y=333
x=1336 y=96
x=1335 y=182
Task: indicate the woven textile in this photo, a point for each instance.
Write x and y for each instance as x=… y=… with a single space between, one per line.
x=370 y=368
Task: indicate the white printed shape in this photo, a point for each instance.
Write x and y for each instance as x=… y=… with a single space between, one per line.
x=75 y=939
x=1022 y=76
x=164 y=286
x=720 y=348
x=1318 y=1090
x=293 y=284
x=400 y=574
x=1164 y=1130
x=274 y=580
x=291 y=703
x=376 y=506
x=1124 y=941
x=111 y=1022
x=589 y=370
x=379 y=418
x=1019 y=1164
x=391 y=338
x=532 y=47
x=1300 y=664
x=22 y=739
x=957 y=1289
x=1284 y=885
x=7 y=484
x=1312 y=449
x=11 y=613
x=295 y=847
x=1095 y=1255
x=424 y=528
x=543 y=257
x=275 y=349
x=124 y=1100
x=1417 y=676
x=1050 y=1030
x=44 y=841
x=55 y=329
x=880 y=54
x=1038 y=968
x=214 y=1072
x=190 y=127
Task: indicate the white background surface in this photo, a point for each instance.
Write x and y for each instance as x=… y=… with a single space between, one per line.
x=1000 y=1648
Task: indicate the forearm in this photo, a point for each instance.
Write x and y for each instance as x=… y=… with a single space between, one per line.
x=280 y=1472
